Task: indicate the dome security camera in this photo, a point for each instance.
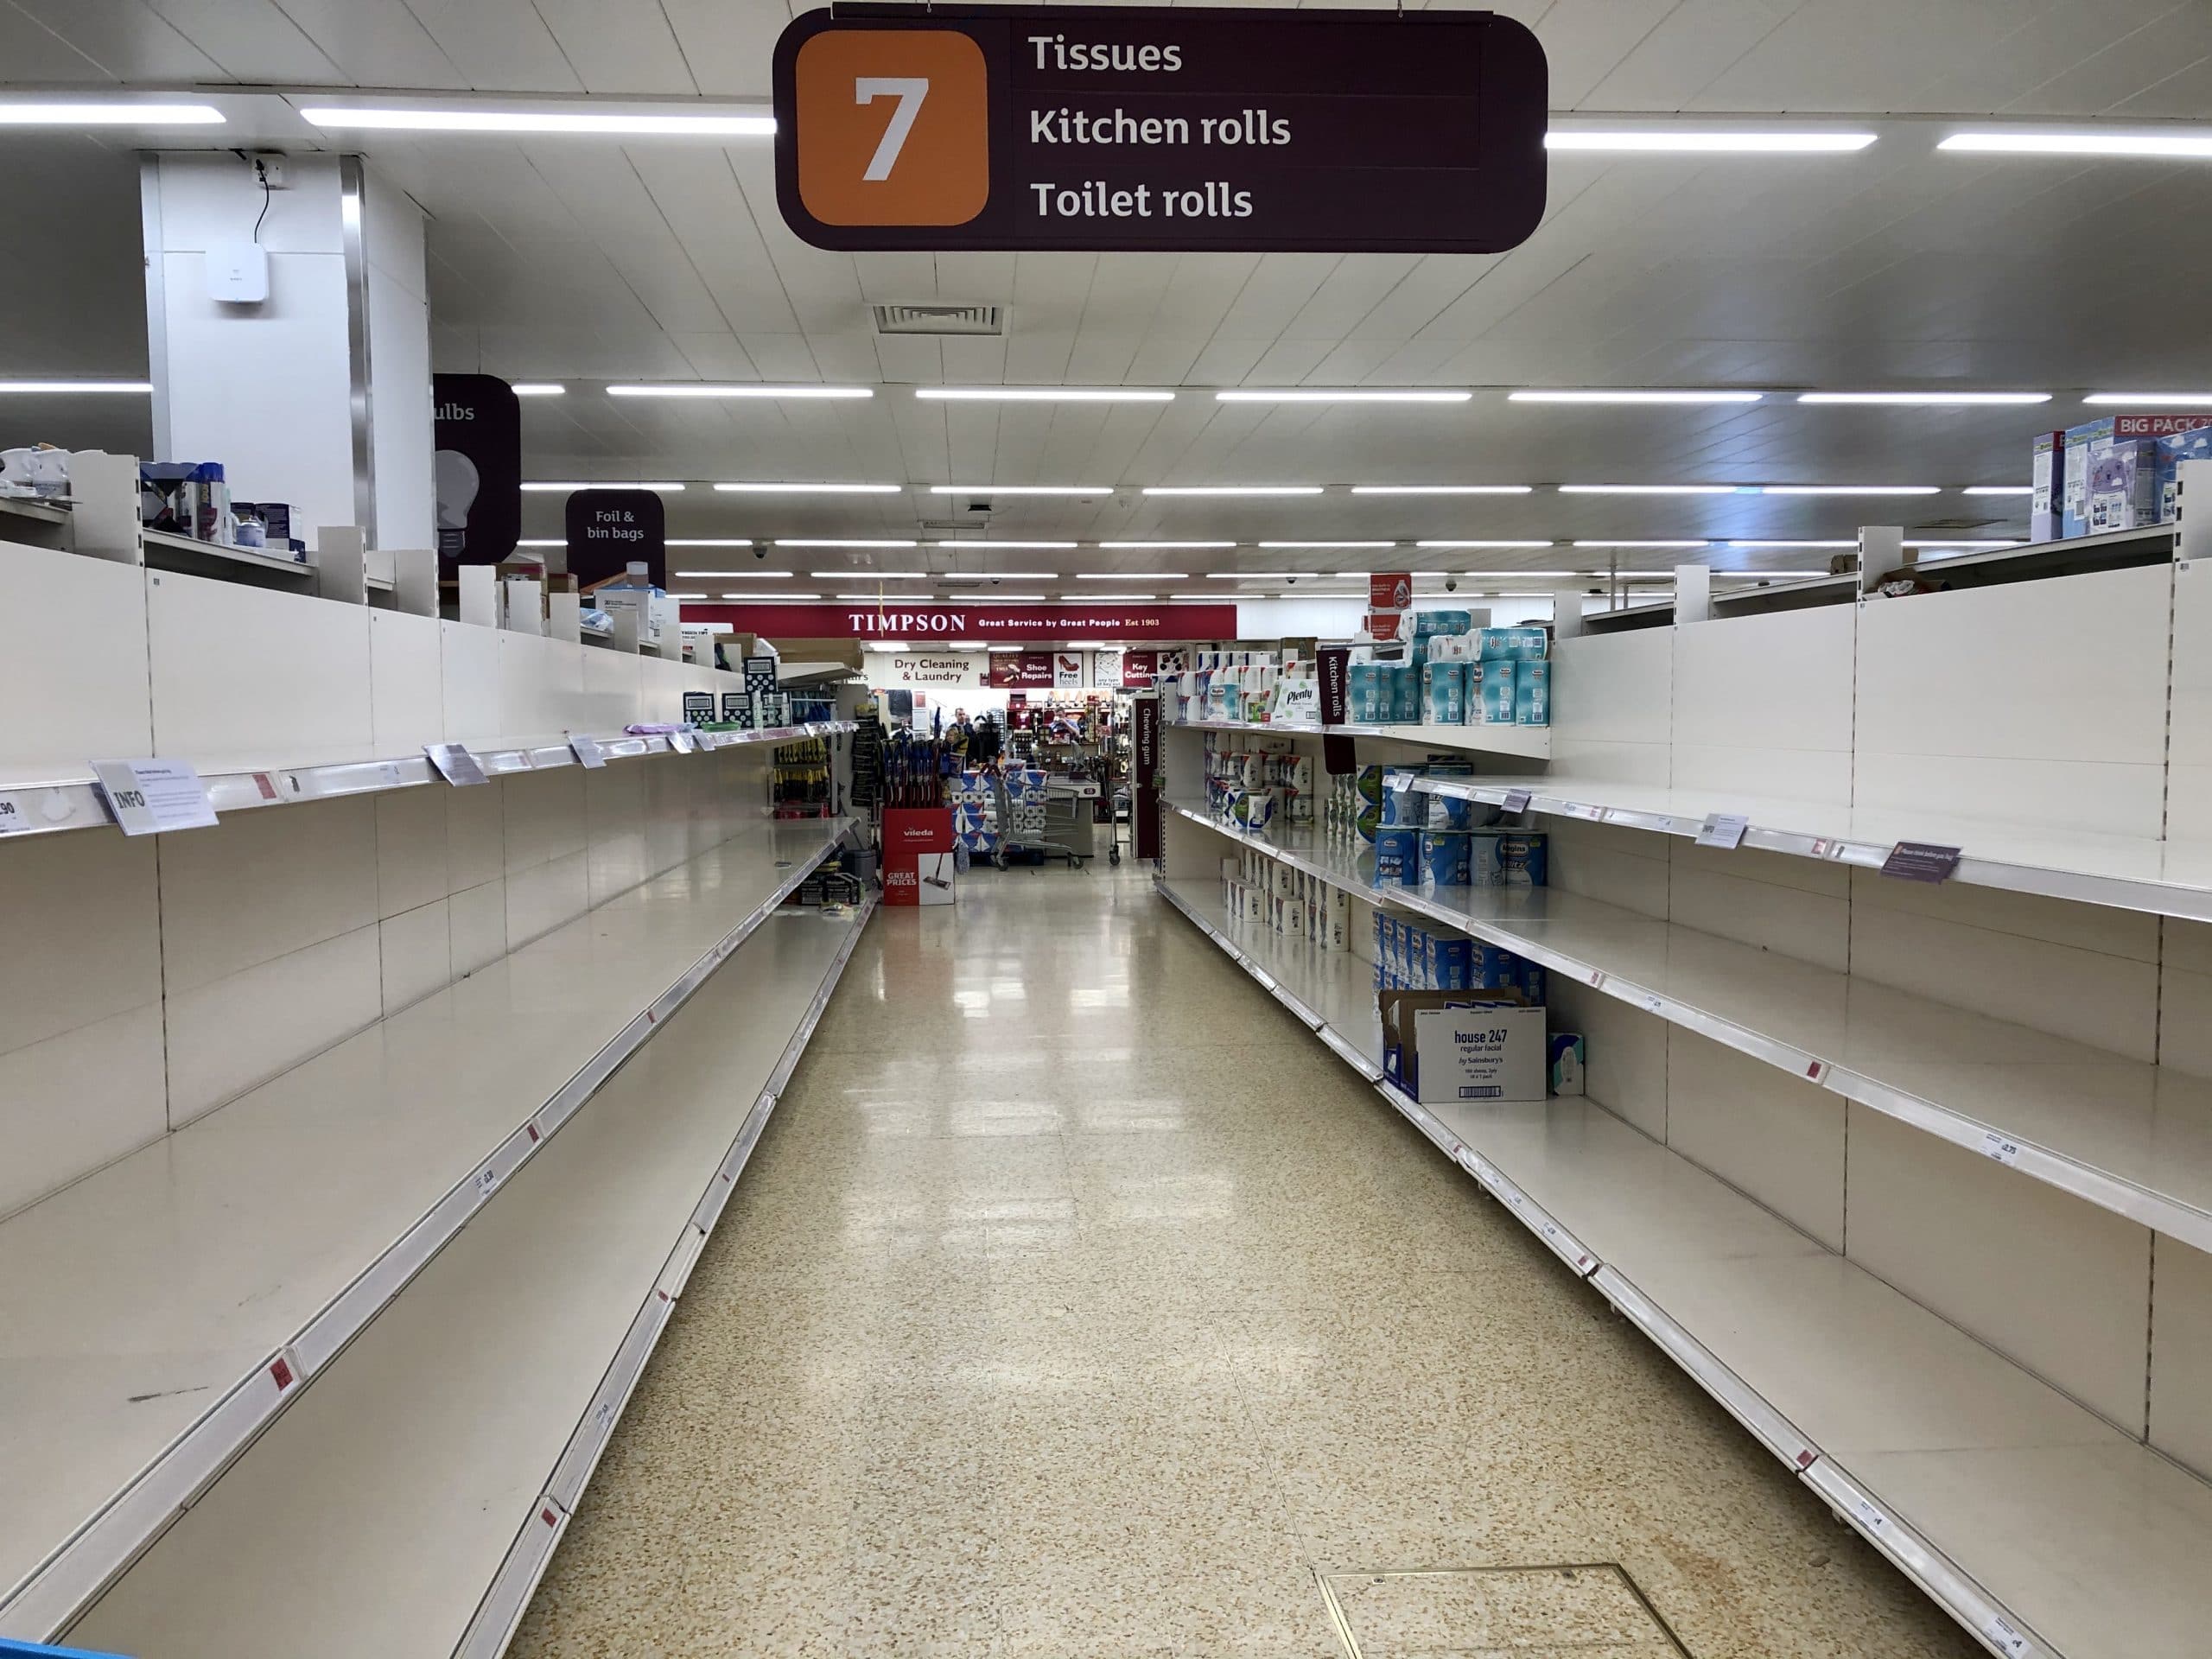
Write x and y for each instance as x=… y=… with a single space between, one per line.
x=1291 y=580
x=1451 y=584
x=760 y=552
x=994 y=582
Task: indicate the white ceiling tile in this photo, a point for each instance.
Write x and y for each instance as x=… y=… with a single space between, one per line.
x=253 y=40
x=978 y=278
x=729 y=44
x=498 y=45
x=618 y=45
x=374 y=42
x=124 y=39
x=909 y=359
x=1162 y=360
x=1039 y=356
x=846 y=357
x=717 y=356
x=781 y=357
x=34 y=53
x=974 y=359
x=699 y=196
x=1683 y=53
x=1585 y=40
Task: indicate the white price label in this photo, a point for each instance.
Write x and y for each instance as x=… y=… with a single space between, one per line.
x=2007 y=1636
x=605 y=1414
x=1402 y=781
x=12 y=816
x=1995 y=1145
x=1516 y=800
x=149 y=797
x=681 y=742
x=588 y=752
x=486 y=1178
x=1721 y=830
x=1872 y=1518
x=455 y=763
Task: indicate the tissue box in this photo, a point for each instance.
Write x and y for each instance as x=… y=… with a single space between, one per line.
x=1564 y=1048
x=1499 y=678
x=1444 y=689
x=1532 y=693
x=1512 y=645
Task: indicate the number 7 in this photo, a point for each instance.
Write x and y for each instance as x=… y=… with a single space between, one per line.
x=910 y=91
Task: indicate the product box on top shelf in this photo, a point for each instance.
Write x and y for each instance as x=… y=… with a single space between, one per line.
x=1449 y=1046
x=2112 y=469
x=2173 y=449
x=2047 y=488
x=1532 y=693
x=1496 y=703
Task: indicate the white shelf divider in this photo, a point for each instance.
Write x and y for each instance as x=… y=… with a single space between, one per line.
x=2131 y=1137
x=156 y=1316
x=2041 y=1529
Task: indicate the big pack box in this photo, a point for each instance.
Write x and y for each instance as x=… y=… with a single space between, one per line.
x=2112 y=469
x=1532 y=693
x=1497 y=697
x=1444 y=1047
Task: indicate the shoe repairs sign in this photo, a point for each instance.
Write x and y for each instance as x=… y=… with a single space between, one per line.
x=1113 y=127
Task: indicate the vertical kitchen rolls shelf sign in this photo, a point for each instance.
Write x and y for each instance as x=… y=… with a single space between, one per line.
x=1097 y=129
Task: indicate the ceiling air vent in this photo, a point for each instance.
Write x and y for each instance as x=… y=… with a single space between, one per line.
x=940 y=319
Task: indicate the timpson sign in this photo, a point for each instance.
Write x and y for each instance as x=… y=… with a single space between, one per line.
x=992 y=622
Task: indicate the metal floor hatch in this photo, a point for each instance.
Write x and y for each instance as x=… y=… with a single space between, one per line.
x=1589 y=1610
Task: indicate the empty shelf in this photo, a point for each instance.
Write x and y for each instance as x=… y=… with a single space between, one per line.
x=2132 y=1137
x=411 y=1474
x=2037 y=1525
x=2055 y=860
x=155 y=1315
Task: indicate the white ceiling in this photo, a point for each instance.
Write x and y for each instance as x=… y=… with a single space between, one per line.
x=586 y=261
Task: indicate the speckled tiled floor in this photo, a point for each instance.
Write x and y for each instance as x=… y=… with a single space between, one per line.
x=1078 y=1304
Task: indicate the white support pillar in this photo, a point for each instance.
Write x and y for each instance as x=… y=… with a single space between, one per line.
x=2193 y=510
x=1566 y=607
x=1692 y=592
x=1881 y=549
x=318 y=395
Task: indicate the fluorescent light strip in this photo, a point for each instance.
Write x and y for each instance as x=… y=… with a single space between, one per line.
x=544 y=486
x=1127 y=599
x=1157 y=545
x=1001 y=575
x=1041 y=395
x=39 y=114
x=1258 y=395
x=1449 y=544
x=1793 y=546
x=1649 y=489
x=538 y=389
x=782 y=595
x=71 y=388
x=750 y=575
x=1711 y=141
x=332 y=117
x=1960 y=541
x=1232 y=489
x=1925 y=399
x=551 y=541
x=1442 y=489
x=1006 y=599
x=1340 y=547
x=687 y=390
x=1674 y=544
x=714 y=541
x=1999 y=489
x=1634 y=396
x=1011 y=547
x=1021 y=489
x=1266 y=575
x=841 y=542
x=2154 y=399
x=808 y=489
x=2192 y=145
x=1134 y=575
x=1848 y=489
x=687 y=595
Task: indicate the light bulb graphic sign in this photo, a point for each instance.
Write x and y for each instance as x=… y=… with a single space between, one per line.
x=479 y=436
x=1210 y=128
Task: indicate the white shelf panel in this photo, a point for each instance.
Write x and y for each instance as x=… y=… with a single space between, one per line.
x=1331 y=988
x=140 y=1309
x=1524 y=742
x=74 y=803
x=2168 y=878
x=2035 y=1523
x=2130 y=1137
x=426 y=1454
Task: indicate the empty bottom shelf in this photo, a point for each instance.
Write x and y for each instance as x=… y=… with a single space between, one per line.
x=373 y=1515
x=2040 y=1527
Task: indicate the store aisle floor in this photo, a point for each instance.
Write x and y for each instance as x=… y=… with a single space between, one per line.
x=1078 y=1304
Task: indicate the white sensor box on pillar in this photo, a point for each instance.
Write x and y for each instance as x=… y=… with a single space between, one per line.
x=237 y=273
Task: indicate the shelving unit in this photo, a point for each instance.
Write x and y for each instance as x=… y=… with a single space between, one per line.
x=2038 y=1526
x=1523 y=742
x=2133 y=1138
x=445 y=1450
x=75 y=803
x=157 y=1315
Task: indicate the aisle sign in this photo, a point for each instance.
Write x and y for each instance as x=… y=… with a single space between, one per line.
x=609 y=530
x=1390 y=590
x=147 y=798
x=946 y=669
x=477 y=424
x=1113 y=127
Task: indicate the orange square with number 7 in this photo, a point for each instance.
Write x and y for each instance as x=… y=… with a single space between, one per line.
x=893 y=126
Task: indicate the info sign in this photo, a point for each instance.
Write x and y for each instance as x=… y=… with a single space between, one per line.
x=1222 y=129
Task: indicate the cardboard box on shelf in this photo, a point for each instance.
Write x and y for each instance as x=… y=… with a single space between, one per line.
x=1449 y=1046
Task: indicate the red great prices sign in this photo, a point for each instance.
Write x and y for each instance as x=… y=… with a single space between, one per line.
x=992 y=623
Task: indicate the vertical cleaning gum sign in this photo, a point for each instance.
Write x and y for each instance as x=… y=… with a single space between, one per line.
x=1164 y=129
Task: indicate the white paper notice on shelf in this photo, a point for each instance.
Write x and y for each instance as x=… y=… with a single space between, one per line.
x=1721 y=830
x=455 y=763
x=12 y=816
x=1516 y=800
x=2006 y=1152
x=2007 y=1636
x=588 y=752
x=680 y=742
x=149 y=797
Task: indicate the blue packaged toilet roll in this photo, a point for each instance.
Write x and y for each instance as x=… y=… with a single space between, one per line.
x=1397 y=857
x=1444 y=854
